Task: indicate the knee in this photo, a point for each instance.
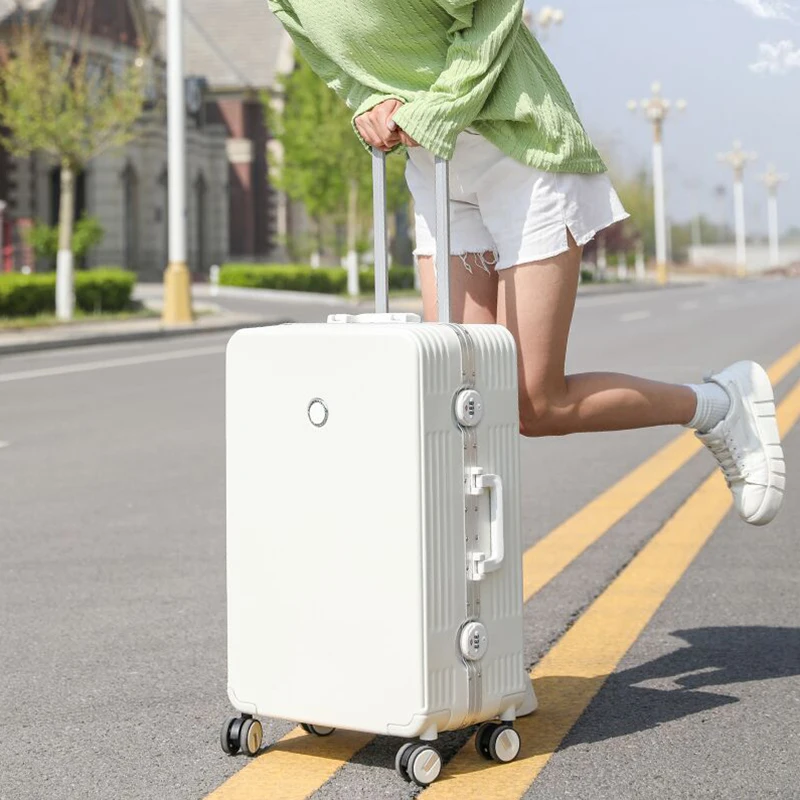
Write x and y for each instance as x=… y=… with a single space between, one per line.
x=541 y=410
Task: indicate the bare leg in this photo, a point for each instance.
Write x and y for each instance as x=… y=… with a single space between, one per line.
x=536 y=302
x=473 y=293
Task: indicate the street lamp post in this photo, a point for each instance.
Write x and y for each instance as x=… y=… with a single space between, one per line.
x=738 y=159
x=177 y=283
x=772 y=180
x=547 y=18
x=656 y=109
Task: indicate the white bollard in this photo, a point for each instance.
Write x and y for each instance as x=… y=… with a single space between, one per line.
x=213 y=277
x=602 y=259
x=351 y=263
x=641 y=271
x=622 y=267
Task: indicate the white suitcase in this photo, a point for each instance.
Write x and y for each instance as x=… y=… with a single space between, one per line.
x=373 y=526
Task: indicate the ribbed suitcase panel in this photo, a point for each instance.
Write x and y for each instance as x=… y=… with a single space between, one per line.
x=498 y=452
x=503 y=676
x=503 y=591
x=497 y=364
x=443 y=602
x=443 y=688
x=443 y=508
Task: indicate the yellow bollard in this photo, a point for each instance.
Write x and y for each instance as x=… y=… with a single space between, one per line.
x=177 y=295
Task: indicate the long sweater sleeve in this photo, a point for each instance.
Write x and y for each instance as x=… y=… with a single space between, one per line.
x=357 y=96
x=483 y=35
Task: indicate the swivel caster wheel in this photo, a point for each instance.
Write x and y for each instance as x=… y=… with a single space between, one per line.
x=418 y=763
x=229 y=735
x=243 y=734
x=317 y=730
x=251 y=735
x=497 y=741
x=401 y=760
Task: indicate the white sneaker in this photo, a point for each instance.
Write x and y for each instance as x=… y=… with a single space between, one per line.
x=747 y=444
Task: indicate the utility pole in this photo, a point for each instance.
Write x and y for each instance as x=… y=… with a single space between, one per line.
x=772 y=180
x=738 y=159
x=656 y=109
x=177 y=280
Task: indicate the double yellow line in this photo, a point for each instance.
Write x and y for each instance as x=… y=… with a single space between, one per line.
x=573 y=671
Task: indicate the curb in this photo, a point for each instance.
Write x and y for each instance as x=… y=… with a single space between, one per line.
x=282 y=295
x=130 y=336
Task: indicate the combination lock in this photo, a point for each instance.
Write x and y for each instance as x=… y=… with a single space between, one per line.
x=469 y=408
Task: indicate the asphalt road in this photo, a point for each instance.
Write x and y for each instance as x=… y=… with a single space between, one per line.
x=112 y=596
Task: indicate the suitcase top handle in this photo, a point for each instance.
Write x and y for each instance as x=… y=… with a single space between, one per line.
x=381 y=247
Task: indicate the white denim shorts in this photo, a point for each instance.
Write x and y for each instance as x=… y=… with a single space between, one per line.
x=500 y=205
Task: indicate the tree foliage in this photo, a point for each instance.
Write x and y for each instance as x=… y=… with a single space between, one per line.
x=636 y=194
x=64 y=103
x=43 y=238
x=321 y=152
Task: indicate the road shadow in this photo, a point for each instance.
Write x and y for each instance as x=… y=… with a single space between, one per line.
x=714 y=657
x=608 y=706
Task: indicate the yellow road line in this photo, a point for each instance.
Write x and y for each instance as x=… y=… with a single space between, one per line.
x=294 y=768
x=571 y=674
x=542 y=562
x=552 y=554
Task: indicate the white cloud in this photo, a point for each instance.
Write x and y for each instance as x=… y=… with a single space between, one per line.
x=768 y=9
x=777 y=59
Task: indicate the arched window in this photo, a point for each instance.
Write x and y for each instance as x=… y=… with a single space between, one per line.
x=201 y=191
x=130 y=184
x=163 y=182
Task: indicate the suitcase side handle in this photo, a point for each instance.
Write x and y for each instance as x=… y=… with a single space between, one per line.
x=493 y=484
x=381 y=240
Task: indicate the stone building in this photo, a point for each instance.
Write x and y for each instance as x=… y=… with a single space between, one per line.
x=233 y=53
x=240 y=49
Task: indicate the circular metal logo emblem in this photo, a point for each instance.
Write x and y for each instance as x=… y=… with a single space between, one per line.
x=318 y=412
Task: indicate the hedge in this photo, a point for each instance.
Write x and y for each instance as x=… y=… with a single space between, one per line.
x=399 y=278
x=104 y=289
x=301 y=278
x=291 y=277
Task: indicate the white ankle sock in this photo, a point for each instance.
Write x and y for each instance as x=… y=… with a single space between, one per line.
x=713 y=405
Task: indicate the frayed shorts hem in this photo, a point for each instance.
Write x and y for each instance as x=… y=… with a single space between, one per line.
x=525 y=256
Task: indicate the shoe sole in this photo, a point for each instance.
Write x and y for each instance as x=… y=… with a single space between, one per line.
x=760 y=406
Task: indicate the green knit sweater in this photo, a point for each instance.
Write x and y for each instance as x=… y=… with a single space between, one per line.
x=455 y=64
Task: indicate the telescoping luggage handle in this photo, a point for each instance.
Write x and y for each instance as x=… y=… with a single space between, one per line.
x=442 y=181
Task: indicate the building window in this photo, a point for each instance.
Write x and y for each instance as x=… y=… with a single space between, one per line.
x=163 y=182
x=201 y=191
x=130 y=183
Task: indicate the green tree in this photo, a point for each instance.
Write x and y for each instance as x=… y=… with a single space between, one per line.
x=304 y=121
x=322 y=163
x=72 y=106
x=636 y=194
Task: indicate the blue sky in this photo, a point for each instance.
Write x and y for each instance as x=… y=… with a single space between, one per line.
x=703 y=51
